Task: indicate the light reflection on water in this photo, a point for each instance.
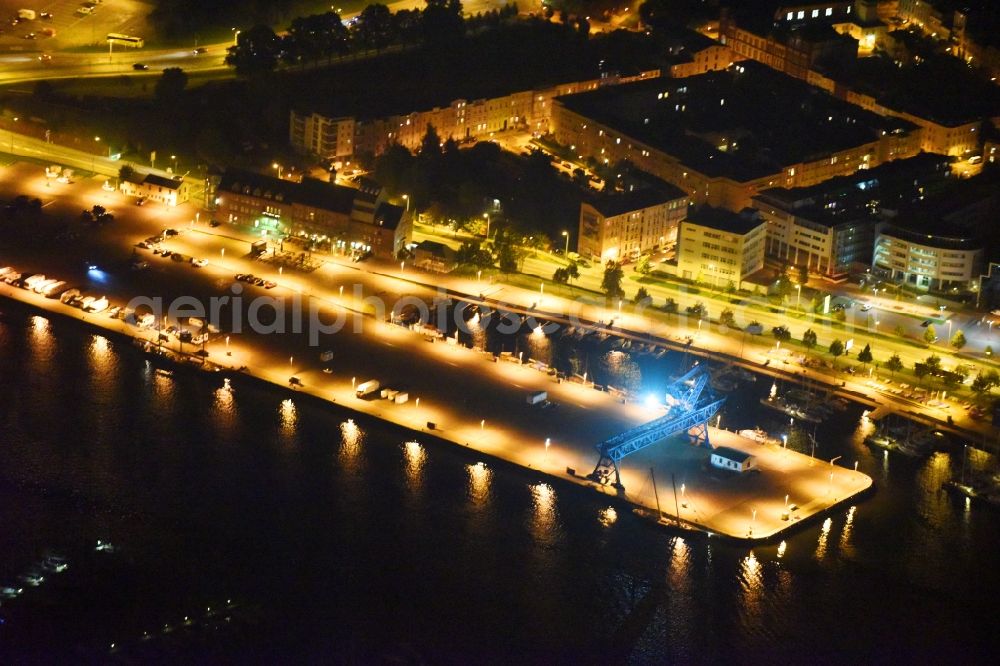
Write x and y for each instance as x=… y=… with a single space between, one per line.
x=415 y=457
x=351 y=438
x=289 y=421
x=824 y=535
x=751 y=587
x=845 y=534
x=224 y=402
x=543 y=518
x=41 y=342
x=608 y=516
x=480 y=477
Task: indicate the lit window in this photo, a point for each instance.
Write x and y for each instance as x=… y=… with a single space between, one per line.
x=801 y=15
x=815 y=13
x=789 y=16
x=829 y=11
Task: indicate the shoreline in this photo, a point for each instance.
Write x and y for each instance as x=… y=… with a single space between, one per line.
x=689 y=524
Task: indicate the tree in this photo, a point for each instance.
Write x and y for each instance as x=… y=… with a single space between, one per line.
x=920 y=371
x=809 y=339
x=256 y=51
x=930 y=335
x=836 y=349
x=728 y=318
x=958 y=340
x=670 y=306
x=801 y=274
x=506 y=255
x=375 y=28
x=894 y=364
x=933 y=362
x=698 y=310
x=981 y=385
x=611 y=283
x=171 y=84
x=430 y=145
x=317 y=36
x=644 y=267
x=781 y=333
x=473 y=254
x=641 y=297
x=442 y=23
x=560 y=276
x=125 y=172
x=572 y=271
x=899 y=331
x=865 y=355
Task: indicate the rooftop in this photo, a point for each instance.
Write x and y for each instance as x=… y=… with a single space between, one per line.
x=310 y=192
x=618 y=203
x=731 y=453
x=715 y=123
x=388 y=215
x=723 y=220
x=846 y=198
x=162 y=180
x=484 y=66
x=940 y=88
x=945 y=237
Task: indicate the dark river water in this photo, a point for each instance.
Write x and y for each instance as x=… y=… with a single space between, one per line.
x=249 y=527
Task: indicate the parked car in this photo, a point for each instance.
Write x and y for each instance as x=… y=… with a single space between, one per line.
x=139 y=67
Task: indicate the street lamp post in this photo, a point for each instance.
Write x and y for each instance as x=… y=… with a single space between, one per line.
x=798 y=296
x=277 y=167
x=487 y=216
x=406 y=198
x=566 y=251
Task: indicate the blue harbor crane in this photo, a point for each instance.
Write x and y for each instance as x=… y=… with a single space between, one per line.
x=689 y=407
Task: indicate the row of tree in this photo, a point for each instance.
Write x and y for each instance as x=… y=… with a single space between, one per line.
x=525 y=200
x=320 y=37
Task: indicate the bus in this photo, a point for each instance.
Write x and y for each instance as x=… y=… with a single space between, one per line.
x=126 y=40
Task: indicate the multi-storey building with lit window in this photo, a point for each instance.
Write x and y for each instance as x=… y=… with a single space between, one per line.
x=345 y=219
x=712 y=136
x=347 y=137
x=622 y=226
x=829 y=228
x=720 y=247
x=940 y=259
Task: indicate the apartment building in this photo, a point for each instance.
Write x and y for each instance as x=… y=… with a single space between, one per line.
x=622 y=226
x=342 y=219
x=347 y=137
x=710 y=135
